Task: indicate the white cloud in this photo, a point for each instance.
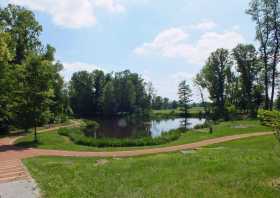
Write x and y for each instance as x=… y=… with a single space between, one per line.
x=110 y=5
x=167 y=42
x=174 y=43
x=72 y=13
x=70 y=68
x=204 y=25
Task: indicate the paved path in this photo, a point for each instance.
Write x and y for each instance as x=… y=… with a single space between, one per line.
x=19 y=189
x=11 y=167
x=11 y=156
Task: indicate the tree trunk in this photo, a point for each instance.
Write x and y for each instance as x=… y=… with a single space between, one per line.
x=276 y=50
x=273 y=87
x=203 y=103
x=275 y=61
x=266 y=102
x=35 y=133
x=186 y=111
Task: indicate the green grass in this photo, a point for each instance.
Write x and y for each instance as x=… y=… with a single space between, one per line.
x=165 y=113
x=241 y=169
x=52 y=140
x=78 y=137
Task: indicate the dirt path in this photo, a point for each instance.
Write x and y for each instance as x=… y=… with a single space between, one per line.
x=12 y=155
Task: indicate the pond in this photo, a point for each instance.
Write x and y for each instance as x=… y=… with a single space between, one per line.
x=129 y=128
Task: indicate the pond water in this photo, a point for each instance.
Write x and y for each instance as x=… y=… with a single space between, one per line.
x=125 y=128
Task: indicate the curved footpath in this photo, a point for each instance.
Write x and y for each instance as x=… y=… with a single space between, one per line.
x=12 y=169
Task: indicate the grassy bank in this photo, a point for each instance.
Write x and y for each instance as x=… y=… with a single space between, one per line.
x=78 y=137
x=170 y=113
x=52 y=140
x=246 y=168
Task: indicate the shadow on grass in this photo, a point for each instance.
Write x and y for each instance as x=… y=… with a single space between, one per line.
x=28 y=144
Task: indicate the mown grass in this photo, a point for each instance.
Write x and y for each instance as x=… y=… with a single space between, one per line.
x=246 y=168
x=166 y=113
x=52 y=140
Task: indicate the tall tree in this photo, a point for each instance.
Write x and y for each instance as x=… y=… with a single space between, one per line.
x=200 y=83
x=158 y=103
x=32 y=91
x=82 y=93
x=109 y=102
x=5 y=81
x=214 y=75
x=266 y=14
x=37 y=92
x=185 y=93
x=274 y=44
x=98 y=78
x=93 y=94
x=248 y=66
x=59 y=106
x=24 y=29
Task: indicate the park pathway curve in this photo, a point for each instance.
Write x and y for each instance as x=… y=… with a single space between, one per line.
x=11 y=167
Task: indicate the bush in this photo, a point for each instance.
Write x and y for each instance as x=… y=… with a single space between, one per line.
x=78 y=137
x=202 y=126
x=63 y=131
x=90 y=127
x=271 y=119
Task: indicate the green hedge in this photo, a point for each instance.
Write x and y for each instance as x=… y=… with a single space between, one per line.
x=270 y=118
x=90 y=127
x=78 y=137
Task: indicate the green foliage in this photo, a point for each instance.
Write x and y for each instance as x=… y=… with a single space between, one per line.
x=78 y=137
x=215 y=75
x=271 y=119
x=37 y=93
x=160 y=103
x=90 y=127
x=185 y=93
x=95 y=94
x=202 y=126
x=173 y=113
x=24 y=30
x=266 y=15
x=277 y=102
x=109 y=101
x=32 y=91
x=6 y=81
x=234 y=82
x=248 y=65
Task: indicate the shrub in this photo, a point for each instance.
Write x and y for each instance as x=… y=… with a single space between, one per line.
x=90 y=127
x=271 y=119
x=202 y=126
x=78 y=137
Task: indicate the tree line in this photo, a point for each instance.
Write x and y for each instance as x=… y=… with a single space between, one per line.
x=99 y=94
x=32 y=91
x=245 y=79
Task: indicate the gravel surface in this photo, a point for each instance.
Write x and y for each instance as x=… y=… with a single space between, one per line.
x=19 y=189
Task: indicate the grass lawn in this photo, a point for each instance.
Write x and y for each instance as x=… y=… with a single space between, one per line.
x=241 y=169
x=176 y=112
x=52 y=140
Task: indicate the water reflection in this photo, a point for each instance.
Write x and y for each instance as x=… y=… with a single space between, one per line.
x=129 y=128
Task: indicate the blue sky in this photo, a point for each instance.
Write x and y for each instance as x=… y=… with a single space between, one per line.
x=165 y=41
